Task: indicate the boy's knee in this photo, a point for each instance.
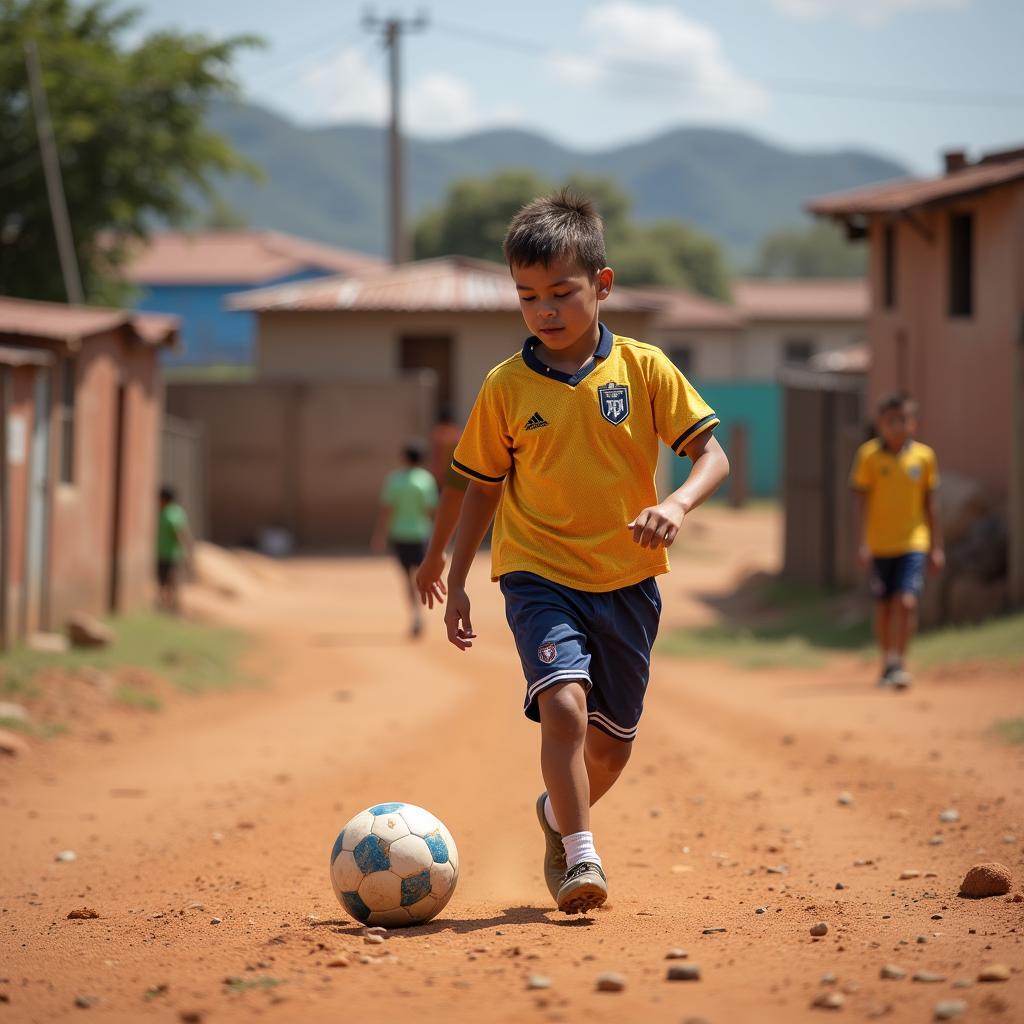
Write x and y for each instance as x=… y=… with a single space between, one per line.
x=563 y=712
x=909 y=601
x=611 y=755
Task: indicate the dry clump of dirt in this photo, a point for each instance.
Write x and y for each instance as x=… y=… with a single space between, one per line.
x=983 y=880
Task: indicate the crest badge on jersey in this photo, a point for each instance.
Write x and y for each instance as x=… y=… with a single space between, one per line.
x=547 y=652
x=614 y=399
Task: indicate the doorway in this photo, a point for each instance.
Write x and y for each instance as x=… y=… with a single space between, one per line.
x=430 y=352
x=35 y=611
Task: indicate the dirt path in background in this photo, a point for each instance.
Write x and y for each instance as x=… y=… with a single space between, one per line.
x=227 y=808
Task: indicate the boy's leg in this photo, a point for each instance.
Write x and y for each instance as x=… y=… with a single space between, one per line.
x=883 y=631
x=563 y=726
x=905 y=611
x=605 y=757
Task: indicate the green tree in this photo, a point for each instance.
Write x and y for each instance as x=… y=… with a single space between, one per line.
x=130 y=131
x=819 y=250
x=473 y=218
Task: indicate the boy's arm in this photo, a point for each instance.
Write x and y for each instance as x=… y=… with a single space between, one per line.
x=937 y=553
x=658 y=525
x=428 y=577
x=478 y=509
x=860 y=498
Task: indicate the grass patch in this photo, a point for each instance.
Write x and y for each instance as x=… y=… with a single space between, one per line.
x=247 y=984
x=998 y=640
x=45 y=731
x=139 y=700
x=214 y=373
x=742 y=647
x=1009 y=730
x=194 y=658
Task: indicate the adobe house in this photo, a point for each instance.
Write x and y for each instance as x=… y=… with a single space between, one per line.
x=189 y=273
x=946 y=320
x=80 y=408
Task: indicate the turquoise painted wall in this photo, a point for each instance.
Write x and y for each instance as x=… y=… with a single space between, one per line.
x=758 y=404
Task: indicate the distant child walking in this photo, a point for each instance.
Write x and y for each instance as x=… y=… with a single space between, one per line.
x=407 y=503
x=173 y=547
x=896 y=480
x=562 y=444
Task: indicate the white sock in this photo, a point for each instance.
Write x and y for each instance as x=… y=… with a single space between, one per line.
x=893 y=658
x=579 y=847
x=549 y=814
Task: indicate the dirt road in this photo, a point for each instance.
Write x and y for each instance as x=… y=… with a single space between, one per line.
x=226 y=808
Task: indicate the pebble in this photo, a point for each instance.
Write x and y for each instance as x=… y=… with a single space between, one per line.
x=66 y=856
x=683 y=972
x=11 y=744
x=538 y=981
x=936 y=840
x=85 y=1002
x=819 y=929
x=338 y=961
x=992 y=879
x=83 y=914
x=949 y=1009
x=376 y=930
x=712 y=931
x=840 y=885
x=612 y=982
x=844 y=799
x=829 y=1001
x=190 y=1016
x=994 y=972
x=214 y=920
x=922 y=939
x=828 y=978
x=13 y=712
x=928 y=977
x=892 y=972
x=676 y=954
x=910 y=873
x=949 y=815
x=373 y=939
x=963 y=983
x=1009 y=839
x=760 y=910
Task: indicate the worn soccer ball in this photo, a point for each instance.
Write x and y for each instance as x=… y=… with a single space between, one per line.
x=394 y=865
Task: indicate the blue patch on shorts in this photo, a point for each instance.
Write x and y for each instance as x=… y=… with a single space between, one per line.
x=603 y=639
x=903 y=574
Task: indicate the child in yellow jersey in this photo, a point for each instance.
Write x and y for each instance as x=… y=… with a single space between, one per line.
x=896 y=480
x=562 y=444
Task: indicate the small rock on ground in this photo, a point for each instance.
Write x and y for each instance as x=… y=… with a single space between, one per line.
x=892 y=972
x=83 y=914
x=949 y=815
x=612 y=982
x=994 y=972
x=949 y=1009
x=85 y=1002
x=712 y=931
x=819 y=929
x=829 y=1001
x=66 y=856
x=928 y=977
x=373 y=939
x=338 y=961
x=12 y=745
x=537 y=981
x=992 y=879
x=676 y=954
x=13 y=712
x=684 y=972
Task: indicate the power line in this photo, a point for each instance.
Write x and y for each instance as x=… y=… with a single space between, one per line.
x=791 y=86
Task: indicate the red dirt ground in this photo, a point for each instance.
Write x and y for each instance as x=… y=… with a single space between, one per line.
x=227 y=806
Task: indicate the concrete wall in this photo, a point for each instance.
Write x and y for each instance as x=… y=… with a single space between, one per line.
x=309 y=456
x=310 y=345
x=762 y=345
x=959 y=369
x=714 y=353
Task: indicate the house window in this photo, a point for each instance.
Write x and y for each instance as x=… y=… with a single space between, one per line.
x=889 y=267
x=67 y=421
x=961 y=264
x=682 y=358
x=797 y=350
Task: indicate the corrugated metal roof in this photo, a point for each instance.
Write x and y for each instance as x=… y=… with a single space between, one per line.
x=55 y=321
x=905 y=194
x=814 y=299
x=238 y=257
x=445 y=284
x=10 y=356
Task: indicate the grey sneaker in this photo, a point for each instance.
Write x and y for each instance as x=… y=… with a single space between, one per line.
x=583 y=888
x=554 y=851
x=899 y=678
x=885 y=680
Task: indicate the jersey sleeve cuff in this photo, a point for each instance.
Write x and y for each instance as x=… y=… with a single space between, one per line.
x=707 y=423
x=472 y=474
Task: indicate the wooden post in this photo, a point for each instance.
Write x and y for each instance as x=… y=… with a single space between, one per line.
x=739 y=465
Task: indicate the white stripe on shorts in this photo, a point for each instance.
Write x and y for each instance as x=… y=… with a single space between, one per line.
x=553 y=677
x=615 y=729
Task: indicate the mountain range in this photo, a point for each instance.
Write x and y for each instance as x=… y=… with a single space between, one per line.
x=330 y=183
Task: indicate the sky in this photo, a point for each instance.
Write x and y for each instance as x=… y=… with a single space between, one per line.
x=905 y=79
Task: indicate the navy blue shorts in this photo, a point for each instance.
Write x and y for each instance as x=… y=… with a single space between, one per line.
x=903 y=574
x=604 y=640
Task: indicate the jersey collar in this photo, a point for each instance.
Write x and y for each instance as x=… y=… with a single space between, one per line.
x=603 y=350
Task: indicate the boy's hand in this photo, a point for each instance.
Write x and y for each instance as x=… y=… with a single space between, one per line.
x=658 y=525
x=456 y=619
x=428 y=580
x=936 y=560
x=864 y=558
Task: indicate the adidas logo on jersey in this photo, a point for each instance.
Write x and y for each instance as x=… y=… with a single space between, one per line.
x=535 y=421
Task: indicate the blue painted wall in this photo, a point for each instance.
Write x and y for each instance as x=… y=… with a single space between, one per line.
x=758 y=404
x=210 y=333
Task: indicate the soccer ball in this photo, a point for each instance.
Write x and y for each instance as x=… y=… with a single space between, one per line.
x=394 y=865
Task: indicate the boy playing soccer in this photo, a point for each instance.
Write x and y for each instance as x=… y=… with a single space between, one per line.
x=895 y=478
x=570 y=425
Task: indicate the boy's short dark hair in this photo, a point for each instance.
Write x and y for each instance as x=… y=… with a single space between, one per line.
x=413 y=453
x=167 y=493
x=896 y=400
x=561 y=226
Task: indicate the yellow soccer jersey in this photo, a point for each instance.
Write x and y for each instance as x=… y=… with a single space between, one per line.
x=578 y=456
x=896 y=485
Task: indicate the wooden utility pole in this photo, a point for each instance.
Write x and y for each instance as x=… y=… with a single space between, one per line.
x=54 y=186
x=391 y=30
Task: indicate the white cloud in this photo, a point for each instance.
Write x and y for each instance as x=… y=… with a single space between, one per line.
x=345 y=87
x=440 y=103
x=867 y=13
x=654 y=51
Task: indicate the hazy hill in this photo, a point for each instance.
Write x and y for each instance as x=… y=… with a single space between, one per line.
x=329 y=183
